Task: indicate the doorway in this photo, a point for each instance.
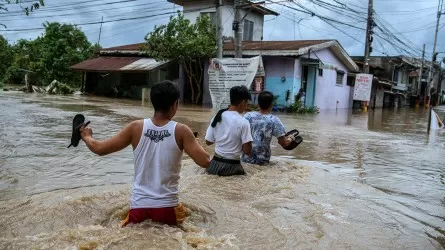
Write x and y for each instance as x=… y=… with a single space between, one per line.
x=308 y=84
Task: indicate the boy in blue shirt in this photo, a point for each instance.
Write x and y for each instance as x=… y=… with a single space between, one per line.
x=264 y=126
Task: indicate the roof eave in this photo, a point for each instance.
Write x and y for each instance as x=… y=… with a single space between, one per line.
x=338 y=51
x=263 y=10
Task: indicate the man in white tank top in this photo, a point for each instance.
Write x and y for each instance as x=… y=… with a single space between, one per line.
x=157 y=144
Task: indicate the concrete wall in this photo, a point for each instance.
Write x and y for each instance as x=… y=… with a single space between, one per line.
x=276 y=68
x=379 y=98
x=193 y=10
x=256 y=18
x=328 y=94
x=297 y=79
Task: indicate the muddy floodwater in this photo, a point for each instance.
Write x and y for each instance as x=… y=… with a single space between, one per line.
x=359 y=180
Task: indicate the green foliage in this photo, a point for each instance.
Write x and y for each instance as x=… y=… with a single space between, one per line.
x=50 y=56
x=299 y=108
x=5 y=56
x=62 y=46
x=63 y=89
x=188 y=44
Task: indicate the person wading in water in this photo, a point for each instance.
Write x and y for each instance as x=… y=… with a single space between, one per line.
x=264 y=126
x=231 y=134
x=158 y=144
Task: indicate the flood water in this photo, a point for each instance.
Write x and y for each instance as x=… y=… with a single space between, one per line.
x=359 y=180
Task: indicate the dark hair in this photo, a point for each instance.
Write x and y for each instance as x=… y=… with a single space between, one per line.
x=239 y=94
x=163 y=95
x=265 y=100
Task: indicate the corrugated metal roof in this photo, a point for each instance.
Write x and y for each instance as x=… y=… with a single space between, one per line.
x=108 y=64
x=143 y=64
x=128 y=47
x=247 y=45
x=276 y=45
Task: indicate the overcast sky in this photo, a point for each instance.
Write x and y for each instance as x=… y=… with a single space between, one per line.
x=412 y=21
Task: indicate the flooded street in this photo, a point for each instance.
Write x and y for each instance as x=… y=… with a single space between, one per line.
x=371 y=180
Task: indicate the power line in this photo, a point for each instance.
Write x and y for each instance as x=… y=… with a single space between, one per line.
x=108 y=21
x=84 y=12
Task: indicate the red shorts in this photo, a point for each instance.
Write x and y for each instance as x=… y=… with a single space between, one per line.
x=165 y=215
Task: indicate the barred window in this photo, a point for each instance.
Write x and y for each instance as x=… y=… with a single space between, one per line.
x=340 y=77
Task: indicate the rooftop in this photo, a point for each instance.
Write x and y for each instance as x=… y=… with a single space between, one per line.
x=276 y=45
x=256 y=6
x=118 y=64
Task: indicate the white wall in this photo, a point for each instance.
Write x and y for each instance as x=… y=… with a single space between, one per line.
x=258 y=21
x=327 y=93
x=193 y=10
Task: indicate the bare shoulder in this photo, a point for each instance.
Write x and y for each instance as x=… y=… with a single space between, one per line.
x=137 y=124
x=182 y=129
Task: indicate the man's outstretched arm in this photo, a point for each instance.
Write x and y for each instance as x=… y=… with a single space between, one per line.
x=192 y=147
x=114 y=144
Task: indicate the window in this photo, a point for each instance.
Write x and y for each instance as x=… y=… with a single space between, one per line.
x=212 y=16
x=320 y=72
x=395 y=75
x=248 y=30
x=340 y=76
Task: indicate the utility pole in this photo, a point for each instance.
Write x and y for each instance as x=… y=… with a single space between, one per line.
x=238 y=28
x=100 y=31
x=430 y=74
x=368 y=42
x=219 y=29
x=419 y=84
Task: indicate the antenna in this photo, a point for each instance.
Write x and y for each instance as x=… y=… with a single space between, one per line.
x=100 y=31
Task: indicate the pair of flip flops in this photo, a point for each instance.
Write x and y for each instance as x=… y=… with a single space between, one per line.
x=296 y=139
x=78 y=122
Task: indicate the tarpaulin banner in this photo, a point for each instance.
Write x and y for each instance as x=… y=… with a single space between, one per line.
x=226 y=73
x=362 y=87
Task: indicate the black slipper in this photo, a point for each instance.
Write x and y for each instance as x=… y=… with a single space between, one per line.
x=75 y=136
x=297 y=140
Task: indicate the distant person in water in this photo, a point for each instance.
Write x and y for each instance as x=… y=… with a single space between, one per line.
x=231 y=134
x=264 y=126
x=158 y=144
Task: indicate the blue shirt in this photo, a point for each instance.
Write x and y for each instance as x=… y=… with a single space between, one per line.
x=263 y=128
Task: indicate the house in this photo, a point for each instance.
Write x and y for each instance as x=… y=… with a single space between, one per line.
x=253 y=14
x=397 y=81
x=126 y=70
x=123 y=71
x=320 y=67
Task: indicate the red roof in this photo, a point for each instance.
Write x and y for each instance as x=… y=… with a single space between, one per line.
x=247 y=45
x=105 y=63
x=132 y=47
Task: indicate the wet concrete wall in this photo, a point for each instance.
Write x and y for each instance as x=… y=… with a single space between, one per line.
x=280 y=77
x=330 y=95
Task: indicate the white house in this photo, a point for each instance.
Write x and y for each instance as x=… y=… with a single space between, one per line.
x=253 y=16
x=320 y=67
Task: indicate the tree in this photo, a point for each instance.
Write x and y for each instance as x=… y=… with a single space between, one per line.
x=186 y=43
x=25 y=56
x=27 y=9
x=62 y=46
x=5 y=56
x=50 y=56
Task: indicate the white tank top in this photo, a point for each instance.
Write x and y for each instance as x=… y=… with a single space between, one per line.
x=157 y=162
